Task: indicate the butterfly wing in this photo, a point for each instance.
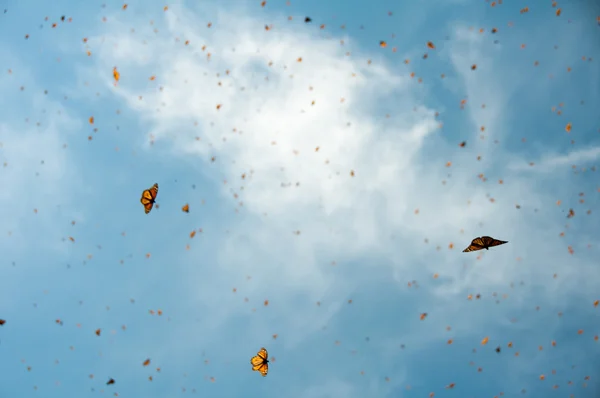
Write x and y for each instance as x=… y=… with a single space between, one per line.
x=153 y=191
x=490 y=242
x=263 y=354
x=472 y=248
x=476 y=244
x=148 y=207
x=263 y=369
x=256 y=361
x=146 y=201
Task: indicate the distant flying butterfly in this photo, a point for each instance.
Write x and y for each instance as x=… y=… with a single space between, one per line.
x=148 y=198
x=484 y=242
x=260 y=362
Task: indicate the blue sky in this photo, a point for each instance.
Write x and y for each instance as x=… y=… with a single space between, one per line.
x=347 y=263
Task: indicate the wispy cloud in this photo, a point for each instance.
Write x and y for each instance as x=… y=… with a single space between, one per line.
x=549 y=163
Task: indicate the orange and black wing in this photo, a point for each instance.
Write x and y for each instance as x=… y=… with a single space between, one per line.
x=263 y=354
x=256 y=361
x=148 y=198
x=488 y=241
x=476 y=244
x=260 y=362
x=262 y=368
x=185 y=208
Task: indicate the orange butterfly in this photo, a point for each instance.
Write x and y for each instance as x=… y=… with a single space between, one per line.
x=484 y=242
x=148 y=198
x=260 y=362
x=186 y=208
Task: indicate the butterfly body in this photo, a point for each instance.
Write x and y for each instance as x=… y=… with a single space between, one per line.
x=483 y=242
x=260 y=362
x=149 y=197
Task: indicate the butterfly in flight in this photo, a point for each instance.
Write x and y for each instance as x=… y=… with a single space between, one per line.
x=148 y=198
x=109 y=382
x=260 y=362
x=484 y=242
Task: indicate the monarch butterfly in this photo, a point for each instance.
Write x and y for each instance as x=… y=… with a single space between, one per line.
x=109 y=382
x=148 y=198
x=260 y=362
x=484 y=242
x=185 y=208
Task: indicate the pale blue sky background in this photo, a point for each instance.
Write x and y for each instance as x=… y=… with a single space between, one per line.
x=360 y=239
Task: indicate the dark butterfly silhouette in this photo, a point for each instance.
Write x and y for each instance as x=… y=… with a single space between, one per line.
x=484 y=242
